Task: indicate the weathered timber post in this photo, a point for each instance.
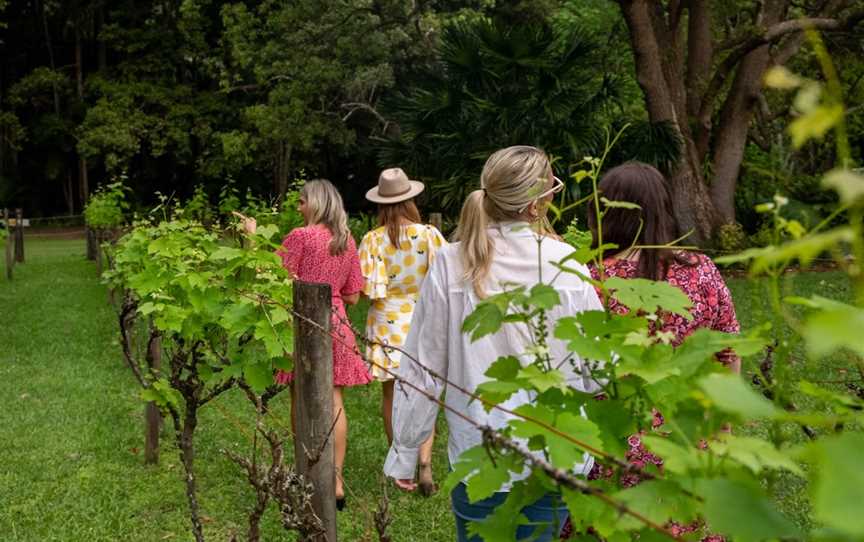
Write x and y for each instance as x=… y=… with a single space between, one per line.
x=10 y=259
x=436 y=220
x=91 y=243
x=98 y=236
x=152 y=415
x=19 y=235
x=313 y=390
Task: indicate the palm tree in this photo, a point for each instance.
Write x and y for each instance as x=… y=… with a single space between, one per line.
x=496 y=85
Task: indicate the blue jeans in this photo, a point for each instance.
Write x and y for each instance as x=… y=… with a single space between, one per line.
x=549 y=509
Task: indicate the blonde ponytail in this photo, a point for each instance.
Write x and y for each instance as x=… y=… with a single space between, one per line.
x=475 y=245
x=511 y=179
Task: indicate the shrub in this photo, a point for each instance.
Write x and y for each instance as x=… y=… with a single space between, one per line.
x=731 y=238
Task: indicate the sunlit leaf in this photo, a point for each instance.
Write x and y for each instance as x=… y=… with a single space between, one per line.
x=754 y=453
x=649 y=296
x=730 y=393
x=814 y=124
x=848 y=185
x=780 y=77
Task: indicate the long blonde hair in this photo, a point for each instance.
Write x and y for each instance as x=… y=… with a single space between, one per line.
x=326 y=208
x=511 y=180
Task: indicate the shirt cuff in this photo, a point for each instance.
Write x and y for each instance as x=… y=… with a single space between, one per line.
x=401 y=463
x=375 y=290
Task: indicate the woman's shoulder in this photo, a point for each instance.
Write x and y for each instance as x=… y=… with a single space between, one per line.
x=297 y=234
x=691 y=260
x=433 y=234
x=615 y=267
x=374 y=237
x=311 y=232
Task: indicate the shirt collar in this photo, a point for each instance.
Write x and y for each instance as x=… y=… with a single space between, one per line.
x=513 y=228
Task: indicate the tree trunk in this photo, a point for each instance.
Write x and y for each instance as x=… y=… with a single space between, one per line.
x=69 y=194
x=281 y=169
x=694 y=210
x=700 y=55
x=83 y=182
x=187 y=456
x=736 y=115
x=101 y=51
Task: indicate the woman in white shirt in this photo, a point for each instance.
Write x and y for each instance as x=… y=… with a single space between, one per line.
x=499 y=229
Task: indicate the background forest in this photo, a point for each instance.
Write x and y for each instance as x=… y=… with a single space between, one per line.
x=237 y=98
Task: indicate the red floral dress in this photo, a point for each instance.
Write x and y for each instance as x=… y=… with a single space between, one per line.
x=305 y=253
x=713 y=309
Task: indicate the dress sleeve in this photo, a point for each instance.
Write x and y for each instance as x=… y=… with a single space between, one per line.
x=373 y=266
x=435 y=241
x=726 y=320
x=354 y=278
x=292 y=250
x=425 y=349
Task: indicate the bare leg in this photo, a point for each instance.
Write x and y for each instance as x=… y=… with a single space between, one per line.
x=340 y=438
x=425 y=480
x=387 y=408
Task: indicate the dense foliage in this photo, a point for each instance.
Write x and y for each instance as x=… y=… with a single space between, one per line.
x=496 y=85
x=189 y=96
x=107 y=207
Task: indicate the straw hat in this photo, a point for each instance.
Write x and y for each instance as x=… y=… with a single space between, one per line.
x=394 y=186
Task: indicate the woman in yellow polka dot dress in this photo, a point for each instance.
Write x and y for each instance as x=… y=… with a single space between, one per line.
x=394 y=259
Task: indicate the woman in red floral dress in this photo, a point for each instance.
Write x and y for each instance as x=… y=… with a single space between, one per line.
x=323 y=251
x=694 y=273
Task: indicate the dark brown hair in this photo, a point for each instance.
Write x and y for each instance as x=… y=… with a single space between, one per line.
x=390 y=215
x=643 y=185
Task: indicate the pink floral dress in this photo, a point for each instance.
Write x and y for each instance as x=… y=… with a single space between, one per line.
x=305 y=252
x=713 y=309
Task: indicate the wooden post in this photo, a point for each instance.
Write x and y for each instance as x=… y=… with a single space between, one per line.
x=91 y=243
x=152 y=415
x=436 y=220
x=10 y=259
x=19 y=235
x=98 y=238
x=313 y=397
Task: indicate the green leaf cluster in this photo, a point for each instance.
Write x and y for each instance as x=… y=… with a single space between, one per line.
x=107 y=206
x=227 y=306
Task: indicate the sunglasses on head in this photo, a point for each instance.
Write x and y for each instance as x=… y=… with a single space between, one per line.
x=557 y=186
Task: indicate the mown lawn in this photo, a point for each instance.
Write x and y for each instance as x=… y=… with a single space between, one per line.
x=71 y=465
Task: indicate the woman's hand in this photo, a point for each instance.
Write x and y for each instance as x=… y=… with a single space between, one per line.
x=250 y=225
x=405 y=484
x=351 y=299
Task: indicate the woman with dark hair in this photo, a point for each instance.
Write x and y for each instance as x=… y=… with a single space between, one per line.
x=638 y=235
x=654 y=225
x=395 y=258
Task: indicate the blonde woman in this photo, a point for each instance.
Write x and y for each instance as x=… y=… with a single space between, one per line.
x=394 y=259
x=323 y=251
x=502 y=245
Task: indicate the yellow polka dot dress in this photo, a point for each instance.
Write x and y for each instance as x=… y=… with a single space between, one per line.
x=393 y=278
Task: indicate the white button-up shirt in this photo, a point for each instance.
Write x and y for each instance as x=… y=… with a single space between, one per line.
x=437 y=342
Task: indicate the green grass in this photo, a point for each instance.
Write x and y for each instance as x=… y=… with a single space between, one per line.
x=752 y=301
x=70 y=445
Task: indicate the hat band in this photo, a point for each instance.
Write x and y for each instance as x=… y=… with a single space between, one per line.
x=388 y=195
